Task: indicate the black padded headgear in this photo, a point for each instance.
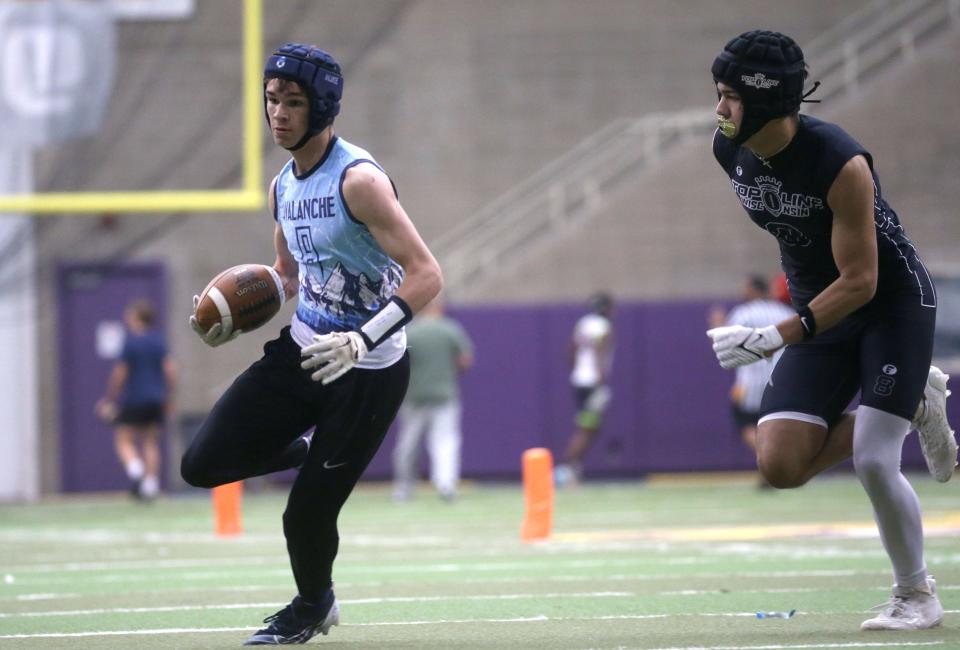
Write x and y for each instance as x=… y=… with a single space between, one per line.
x=767 y=71
x=601 y=303
x=318 y=74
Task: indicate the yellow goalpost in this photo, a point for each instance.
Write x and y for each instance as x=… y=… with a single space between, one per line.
x=249 y=197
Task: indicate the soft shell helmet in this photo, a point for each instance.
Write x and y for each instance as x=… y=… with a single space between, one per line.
x=767 y=70
x=317 y=73
x=601 y=303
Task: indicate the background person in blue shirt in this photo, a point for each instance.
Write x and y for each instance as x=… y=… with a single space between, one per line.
x=139 y=397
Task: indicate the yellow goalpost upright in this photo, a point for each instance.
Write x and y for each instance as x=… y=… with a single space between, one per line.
x=249 y=197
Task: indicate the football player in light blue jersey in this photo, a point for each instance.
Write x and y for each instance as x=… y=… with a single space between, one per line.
x=353 y=258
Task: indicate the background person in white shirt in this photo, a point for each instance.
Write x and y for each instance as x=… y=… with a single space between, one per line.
x=757 y=309
x=592 y=357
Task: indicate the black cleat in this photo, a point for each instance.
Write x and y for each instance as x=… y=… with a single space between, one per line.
x=298 y=622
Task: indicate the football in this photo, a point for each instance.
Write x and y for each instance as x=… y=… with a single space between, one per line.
x=242 y=298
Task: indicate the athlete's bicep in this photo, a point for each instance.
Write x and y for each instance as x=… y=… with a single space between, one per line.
x=853 y=234
x=272 y=198
x=371 y=199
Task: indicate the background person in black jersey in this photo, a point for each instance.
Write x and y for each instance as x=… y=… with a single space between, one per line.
x=866 y=309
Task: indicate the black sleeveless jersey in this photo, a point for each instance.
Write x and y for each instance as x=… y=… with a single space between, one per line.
x=787 y=196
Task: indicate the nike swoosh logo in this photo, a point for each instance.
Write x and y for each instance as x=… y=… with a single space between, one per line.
x=327 y=465
x=743 y=347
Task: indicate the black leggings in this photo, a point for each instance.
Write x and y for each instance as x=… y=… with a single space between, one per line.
x=269 y=406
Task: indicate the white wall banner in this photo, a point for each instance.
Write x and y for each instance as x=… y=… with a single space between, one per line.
x=57 y=64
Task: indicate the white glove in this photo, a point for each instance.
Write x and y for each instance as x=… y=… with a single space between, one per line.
x=217 y=334
x=736 y=345
x=334 y=354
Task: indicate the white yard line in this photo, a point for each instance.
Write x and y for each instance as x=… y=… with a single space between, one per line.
x=395 y=599
x=108 y=536
x=347 y=564
x=155 y=563
x=284 y=573
x=166 y=630
x=276 y=605
x=537 y=580
x=937 y=523
x=696 y=553
x=800 y=646
x=531 y=619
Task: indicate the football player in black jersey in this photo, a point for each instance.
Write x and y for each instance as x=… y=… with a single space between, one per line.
x=866 y=309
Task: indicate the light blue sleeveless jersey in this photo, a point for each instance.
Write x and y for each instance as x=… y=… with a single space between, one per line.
x=345 y=277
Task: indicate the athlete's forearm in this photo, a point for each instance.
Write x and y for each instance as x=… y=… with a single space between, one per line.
x=421 y=284
x=118 y=377
x=841 y=298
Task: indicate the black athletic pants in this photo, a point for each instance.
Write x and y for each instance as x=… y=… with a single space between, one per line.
x=269 y=406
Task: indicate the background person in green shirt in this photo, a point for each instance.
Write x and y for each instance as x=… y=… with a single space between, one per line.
x=439 y=351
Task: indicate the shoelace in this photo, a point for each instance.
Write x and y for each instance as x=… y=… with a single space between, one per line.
x=947 y=393
x=893 y=608
x=927 y=418
x=278 y=615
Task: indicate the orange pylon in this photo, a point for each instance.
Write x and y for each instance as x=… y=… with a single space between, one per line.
x=538 y=494
x=227 y=501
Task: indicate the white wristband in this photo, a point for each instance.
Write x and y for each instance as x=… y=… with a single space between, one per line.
x=386 y=321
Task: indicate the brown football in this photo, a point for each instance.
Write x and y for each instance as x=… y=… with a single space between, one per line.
x=243 y=298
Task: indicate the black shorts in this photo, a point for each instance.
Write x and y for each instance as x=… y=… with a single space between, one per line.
x=141 y=414
x=591 y=403
x=580 y=396
x=744 y=418
x=883 y=351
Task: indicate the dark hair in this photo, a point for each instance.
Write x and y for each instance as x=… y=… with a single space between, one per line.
x=758 y=283
x=144 y=310
x=601 y=302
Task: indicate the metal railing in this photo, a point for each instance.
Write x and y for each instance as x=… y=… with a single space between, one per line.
x=560 y=194
x=888 y=32
x=575 y=186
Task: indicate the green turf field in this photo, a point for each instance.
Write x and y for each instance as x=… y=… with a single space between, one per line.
x=664 y=564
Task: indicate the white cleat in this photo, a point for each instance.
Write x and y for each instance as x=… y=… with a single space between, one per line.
x=936 y=437
x=566 y=476
x=908 y=609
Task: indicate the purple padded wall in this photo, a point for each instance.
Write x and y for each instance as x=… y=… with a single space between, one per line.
x=669 y=410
